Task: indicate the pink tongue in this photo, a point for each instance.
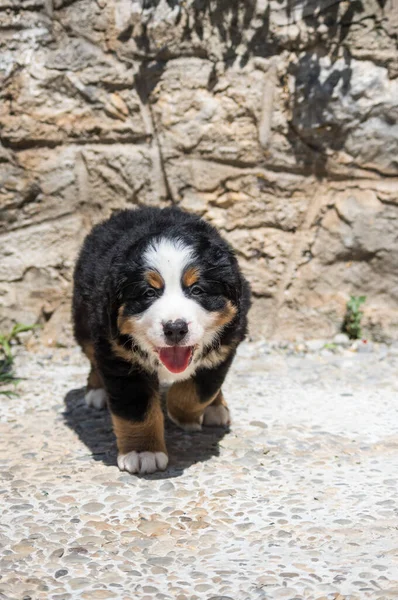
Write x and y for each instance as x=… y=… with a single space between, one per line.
x=175 y=358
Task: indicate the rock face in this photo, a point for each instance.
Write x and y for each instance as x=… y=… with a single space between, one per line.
x=275 y=120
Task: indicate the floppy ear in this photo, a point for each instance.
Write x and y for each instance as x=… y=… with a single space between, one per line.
x=114 y=284
x=119 y=282
x=121 y=270
x=224 y=259
x=234 y=289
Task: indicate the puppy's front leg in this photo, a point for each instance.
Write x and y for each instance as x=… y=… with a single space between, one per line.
x=134 y=403
x=200 y=400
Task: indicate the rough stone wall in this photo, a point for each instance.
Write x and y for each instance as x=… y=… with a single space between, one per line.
x=275 y=120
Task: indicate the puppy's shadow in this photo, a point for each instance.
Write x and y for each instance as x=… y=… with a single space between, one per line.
x=94 y=428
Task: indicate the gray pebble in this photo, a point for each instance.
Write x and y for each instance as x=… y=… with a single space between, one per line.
x=60 y=573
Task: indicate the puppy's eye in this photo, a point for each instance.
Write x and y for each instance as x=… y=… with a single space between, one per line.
x=150 y=293
x=196 y=290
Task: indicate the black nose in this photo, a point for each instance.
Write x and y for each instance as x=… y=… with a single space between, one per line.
x=175 y=331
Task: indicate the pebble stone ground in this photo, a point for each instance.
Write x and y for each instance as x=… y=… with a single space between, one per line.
x=298 y=501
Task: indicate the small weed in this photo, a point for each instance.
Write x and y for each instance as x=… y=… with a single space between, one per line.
x=7 y=377
x=330 y=346
x=353 y=317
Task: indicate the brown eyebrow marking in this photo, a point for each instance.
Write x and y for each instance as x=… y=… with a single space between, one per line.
x=154 y=279
x=190 y=276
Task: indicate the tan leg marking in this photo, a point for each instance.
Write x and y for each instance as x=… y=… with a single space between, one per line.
x=95 y=394
x=141 y=445
x=219 y=400
x=88 y=349
x=141 y=436
x=94 y=381
x=184 y=406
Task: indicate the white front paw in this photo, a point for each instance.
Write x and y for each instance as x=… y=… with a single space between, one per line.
x=96 y=398
x=216 y=416
x=142 y=462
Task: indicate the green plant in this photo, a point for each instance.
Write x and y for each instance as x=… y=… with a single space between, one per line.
x=353 y=317
x=7 y=376
x=330 y=346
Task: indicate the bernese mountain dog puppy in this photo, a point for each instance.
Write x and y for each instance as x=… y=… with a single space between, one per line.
x=158 y=298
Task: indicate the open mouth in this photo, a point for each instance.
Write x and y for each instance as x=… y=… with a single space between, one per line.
x=176 y=358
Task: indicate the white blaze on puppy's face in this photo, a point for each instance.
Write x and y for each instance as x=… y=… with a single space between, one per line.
x=170 y=258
